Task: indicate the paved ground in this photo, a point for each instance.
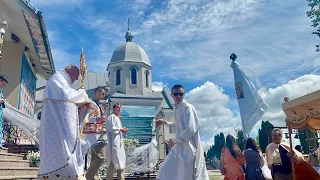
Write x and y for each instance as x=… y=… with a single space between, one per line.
x=215 y=175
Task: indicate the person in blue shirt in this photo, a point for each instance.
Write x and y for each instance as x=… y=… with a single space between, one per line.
x=3 y=82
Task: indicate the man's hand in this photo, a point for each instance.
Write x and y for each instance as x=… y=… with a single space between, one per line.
x=2 y=100
x=124 y=130
x=85 y=104
x=160 y=122
x=104 y=106
x=170 y=143
x=290 y=154
x=102 y=119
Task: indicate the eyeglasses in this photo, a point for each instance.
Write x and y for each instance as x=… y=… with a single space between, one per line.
x=178 y=94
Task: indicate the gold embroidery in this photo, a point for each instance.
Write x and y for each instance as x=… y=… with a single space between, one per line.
x=69 y=101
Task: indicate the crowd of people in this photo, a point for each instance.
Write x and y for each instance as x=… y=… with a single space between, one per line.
x=64 y=143
x=279 y=162
x=66 y=112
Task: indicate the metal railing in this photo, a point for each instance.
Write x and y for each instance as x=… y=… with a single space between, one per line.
x=12 y=134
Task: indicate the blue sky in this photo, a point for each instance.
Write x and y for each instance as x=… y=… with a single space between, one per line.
x=190 y=41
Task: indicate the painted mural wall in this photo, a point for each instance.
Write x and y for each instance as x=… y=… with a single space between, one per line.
x=27 y=88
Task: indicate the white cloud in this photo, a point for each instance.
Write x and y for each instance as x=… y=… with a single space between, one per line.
x=60 y=49
x=62 y=58
x=156 y=42
x=293 y=89
x=211 y=104
x=158 y=85
x=203 y=34
x=53 y=3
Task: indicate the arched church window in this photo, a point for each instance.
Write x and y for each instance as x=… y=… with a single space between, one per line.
x=118 y=77
x=147 y=78
x=133 y=75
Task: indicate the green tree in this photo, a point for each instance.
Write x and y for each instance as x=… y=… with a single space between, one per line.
x=265 y=134
x=215 y=150
x=302 y=134
x=257 y=141
x=314 y=15
x=240 y=139
x=222 y=141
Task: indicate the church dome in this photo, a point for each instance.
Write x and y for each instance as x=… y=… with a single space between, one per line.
x=130 y=51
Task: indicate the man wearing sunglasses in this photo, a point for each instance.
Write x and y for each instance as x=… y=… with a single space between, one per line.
x=185 y=160
x=97 y=140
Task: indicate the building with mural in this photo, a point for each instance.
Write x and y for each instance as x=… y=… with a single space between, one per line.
x=24 y=54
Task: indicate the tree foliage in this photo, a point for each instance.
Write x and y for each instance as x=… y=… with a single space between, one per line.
x=314 y=15
x=302 y=135
x=240 y=139
x=264 y=135
x=215 y=150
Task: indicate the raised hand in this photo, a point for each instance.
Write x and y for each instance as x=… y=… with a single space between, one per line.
x=170 y=143
x=160 y=122
x=124 y=130
x=102 y=119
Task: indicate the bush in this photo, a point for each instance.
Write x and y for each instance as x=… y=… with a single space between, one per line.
x=130 y=143
x=33 y=157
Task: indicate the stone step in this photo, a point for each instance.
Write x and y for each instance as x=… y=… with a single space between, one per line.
x=152 y=177
x=14 y=163
x=4 y=150
x=26 y=177
x=4 y=155
x=18 y=171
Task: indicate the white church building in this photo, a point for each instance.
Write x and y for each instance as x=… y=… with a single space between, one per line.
x=129 y=81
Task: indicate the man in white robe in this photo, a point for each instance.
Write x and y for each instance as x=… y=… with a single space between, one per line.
x=185 y=161
x=60 y=150
x=116 y=157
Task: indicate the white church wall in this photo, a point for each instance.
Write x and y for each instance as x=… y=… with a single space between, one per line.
x=126 y=86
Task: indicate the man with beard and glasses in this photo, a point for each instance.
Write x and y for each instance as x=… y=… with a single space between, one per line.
x=98 y=139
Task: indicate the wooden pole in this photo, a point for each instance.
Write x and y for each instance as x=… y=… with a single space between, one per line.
x=292 y=164
x=308 y=139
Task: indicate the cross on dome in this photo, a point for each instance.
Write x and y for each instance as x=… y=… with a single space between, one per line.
x=129 y=35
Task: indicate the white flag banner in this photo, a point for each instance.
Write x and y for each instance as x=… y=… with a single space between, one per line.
x=251 y=105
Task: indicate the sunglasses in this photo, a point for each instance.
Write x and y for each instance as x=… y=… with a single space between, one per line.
x=178 y=94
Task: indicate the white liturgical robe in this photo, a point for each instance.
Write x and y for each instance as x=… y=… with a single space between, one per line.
x=185 y=160
x=60 y=149
x=115 y=147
